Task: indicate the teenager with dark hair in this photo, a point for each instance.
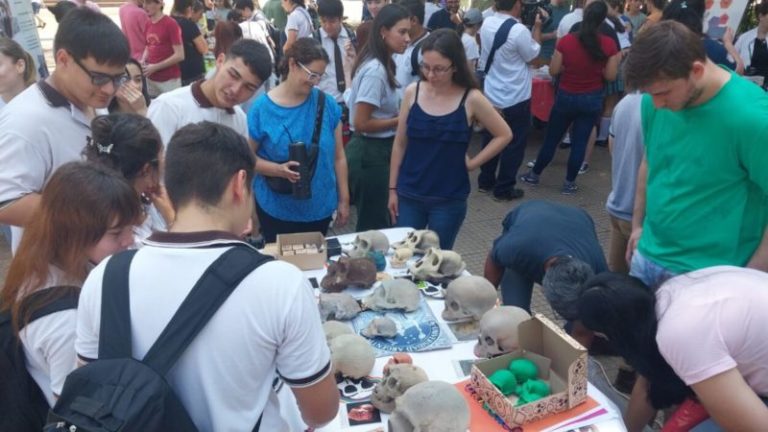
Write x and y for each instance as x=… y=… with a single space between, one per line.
x=708 y=207
x=585 y=59
x=268 y=326
x=239 y=73
x=655 y=9
x=90 y=53
x=164 y=50
x=133 y=95
x=364 y=29
x=702 y=334
x=86 y=213
x=299 y=23
x=195 y=46
x=407 y=69
x=130 y=145
x=133 y=21
x=17 y=70
x=440 y=110
x=281 y=118
x=752 y=46
x=373 y=116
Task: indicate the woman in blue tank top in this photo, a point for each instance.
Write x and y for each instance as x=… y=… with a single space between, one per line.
x=429 y=170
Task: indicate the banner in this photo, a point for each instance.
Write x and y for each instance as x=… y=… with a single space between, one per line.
x=18 y=22
x=720 y=14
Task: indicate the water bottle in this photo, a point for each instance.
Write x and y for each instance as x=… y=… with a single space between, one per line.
x=297 y=152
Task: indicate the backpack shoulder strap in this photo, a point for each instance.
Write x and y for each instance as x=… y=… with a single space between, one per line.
x=316 y=35
x=71 y=295
x=202 y=302
x=318 y=118
x=115 y=327
x=350 y=34
x=415 y=56
x=498 y=40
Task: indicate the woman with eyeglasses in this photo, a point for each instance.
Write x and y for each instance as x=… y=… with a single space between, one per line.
x=130 y=145
x=429 y=171
x=291 y=197
x=132 y=96
x=85 y=214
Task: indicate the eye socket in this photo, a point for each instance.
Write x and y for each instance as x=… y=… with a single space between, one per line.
x=453 y=305
x=489 y=341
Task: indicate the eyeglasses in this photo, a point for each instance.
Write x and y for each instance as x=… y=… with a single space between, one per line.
x=437 y=70
x=312 y=76
x=101 y=79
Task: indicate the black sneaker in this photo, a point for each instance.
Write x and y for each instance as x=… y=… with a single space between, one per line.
x=569 y=188
x=509 y=195
x=485 y=189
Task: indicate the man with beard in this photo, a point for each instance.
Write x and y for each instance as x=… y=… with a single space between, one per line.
x=449 y=17
x=48 y=124
x=239 y=73
x=701 y=196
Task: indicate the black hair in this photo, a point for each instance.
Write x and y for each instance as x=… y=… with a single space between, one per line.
x=447 y=43
x=376 y=48
x=762 y=8
x=415 y=8
x=201 y=160
x=658 y=4
x=113 y=106
x=132 y=142
x=505 y=5
x=563 y=283
x=617 y=24
x=298 y=2
x=255 y=55
x=244 y=4
x=330 y=8
x=87 y=33
x=589 y=32
x=235 y=16
x=689 y=13
x=197 y=6
x=623 y=309
x=60 y=9
x=180 y=6
x=305 y=50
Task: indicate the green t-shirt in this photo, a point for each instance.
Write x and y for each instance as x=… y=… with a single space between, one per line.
x=707 y=190
x=275 y=13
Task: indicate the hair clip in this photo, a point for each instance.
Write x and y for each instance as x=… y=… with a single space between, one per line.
x=101 y=149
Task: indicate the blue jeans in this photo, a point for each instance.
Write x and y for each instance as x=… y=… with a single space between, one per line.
x=518 y=117
x=444 y=218
x=650 y=273
x=580 y=109
x=516 y=289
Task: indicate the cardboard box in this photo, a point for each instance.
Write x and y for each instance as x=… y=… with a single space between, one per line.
x=296 y=243
x=562 y=362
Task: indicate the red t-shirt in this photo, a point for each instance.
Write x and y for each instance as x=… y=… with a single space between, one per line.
x=161 y=37
x=582 y=74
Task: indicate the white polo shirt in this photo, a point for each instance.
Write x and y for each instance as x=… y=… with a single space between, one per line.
x=509 y=79
x=173 y=110
x=568 y=21
x=269 y=324
x=39 y=131
x=404 y=67
x=329 y=83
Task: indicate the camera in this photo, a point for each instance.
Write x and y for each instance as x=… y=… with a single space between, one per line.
x=531 y=9
x=301 y=189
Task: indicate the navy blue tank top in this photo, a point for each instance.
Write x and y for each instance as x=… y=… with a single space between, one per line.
x=434 y=167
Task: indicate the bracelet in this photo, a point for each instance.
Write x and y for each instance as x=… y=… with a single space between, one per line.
x=393 y=188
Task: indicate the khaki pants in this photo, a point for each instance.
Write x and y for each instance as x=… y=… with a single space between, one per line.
x=156 y=88
x=620 y=232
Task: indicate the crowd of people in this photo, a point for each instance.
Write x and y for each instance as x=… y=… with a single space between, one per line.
x=133 y=143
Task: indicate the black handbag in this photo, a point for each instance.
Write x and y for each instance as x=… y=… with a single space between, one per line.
x=282 y=185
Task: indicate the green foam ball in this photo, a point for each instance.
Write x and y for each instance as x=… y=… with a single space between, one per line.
x=537 y=387
x=504 y=380
x=523 y=369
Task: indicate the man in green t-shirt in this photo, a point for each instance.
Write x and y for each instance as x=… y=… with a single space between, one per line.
x=702 y=197
x=274 y=11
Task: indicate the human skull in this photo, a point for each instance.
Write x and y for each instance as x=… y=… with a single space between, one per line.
x=468 y=298
x=335 y=328
x=498 y=331
x=432 y=406
x=394 y=294
x=400 y=257
x=438 y=266
x=419 y=241
x=368 y=241
x=338 y=306
x=397 y=379
x=383 y=327
x=349 y=272
x=352 y=356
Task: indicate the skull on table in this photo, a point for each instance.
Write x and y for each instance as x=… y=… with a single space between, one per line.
x=381 y=327
x=352 y=356
x=432 y=406
x=438 y=266
x=468 y=298
x=338 y=306
x=498 y=331
x=399 y=294
x=400 y=257
x=349 y=272
x=397 y=379
x=368 y=241
x=335 y=328
x=419 y=241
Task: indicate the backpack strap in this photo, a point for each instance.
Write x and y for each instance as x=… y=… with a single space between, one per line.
x=498 y=40
x=69 y=299
x=415 y=55
x=202 y=302
x=115 y=327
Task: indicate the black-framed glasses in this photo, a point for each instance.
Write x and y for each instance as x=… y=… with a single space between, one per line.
x=312 y=76
x=437 y=70
x=101 y=79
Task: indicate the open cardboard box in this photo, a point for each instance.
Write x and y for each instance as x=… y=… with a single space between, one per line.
x=304 y=261
x=562 y=363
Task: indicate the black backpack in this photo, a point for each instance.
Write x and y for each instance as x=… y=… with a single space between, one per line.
x=119 y=393
x=22 y=404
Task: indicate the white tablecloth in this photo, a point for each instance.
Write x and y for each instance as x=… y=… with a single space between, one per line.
x=438 y=364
